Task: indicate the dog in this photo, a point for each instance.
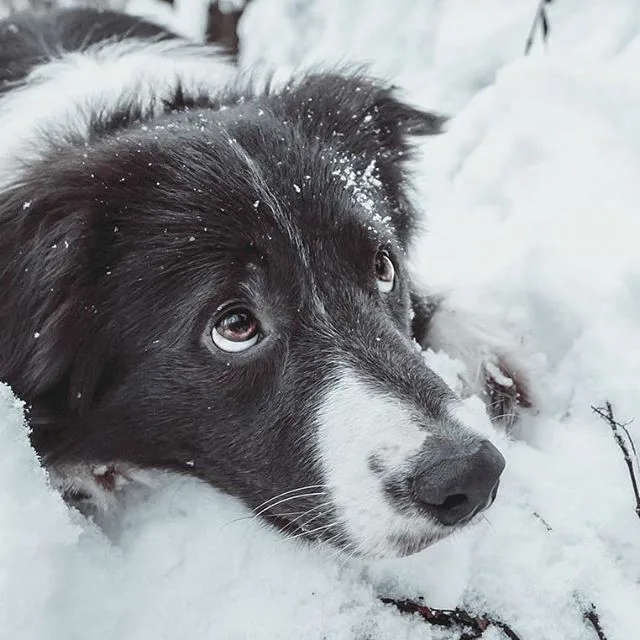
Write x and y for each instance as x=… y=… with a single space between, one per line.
x=208 y=275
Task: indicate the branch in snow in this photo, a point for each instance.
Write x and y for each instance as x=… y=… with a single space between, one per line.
x=472 y=626
x=606 y=413
x=545 y=524
x=593 y=617
x=539 y=19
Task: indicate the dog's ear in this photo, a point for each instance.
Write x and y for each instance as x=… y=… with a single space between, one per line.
x=358 y=113
x=369 y=129
x=44 y=237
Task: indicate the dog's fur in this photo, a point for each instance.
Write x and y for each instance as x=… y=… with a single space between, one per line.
x=138 y=197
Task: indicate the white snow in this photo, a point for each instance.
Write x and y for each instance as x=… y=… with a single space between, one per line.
x=532 y=198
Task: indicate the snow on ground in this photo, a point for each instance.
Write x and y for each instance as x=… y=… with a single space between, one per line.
x=532 y=199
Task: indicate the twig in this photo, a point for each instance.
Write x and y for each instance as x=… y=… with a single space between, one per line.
x=606 y=413
x=545 y=524
x=473 y=626
x=541 y=17
x=593 y=617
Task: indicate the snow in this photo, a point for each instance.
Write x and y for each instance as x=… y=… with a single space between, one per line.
x=532 y=198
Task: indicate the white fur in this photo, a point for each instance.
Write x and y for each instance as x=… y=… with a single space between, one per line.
x=356 y=422
x=61 y=95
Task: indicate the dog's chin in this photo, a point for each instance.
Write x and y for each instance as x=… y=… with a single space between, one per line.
x=408 y=544
x=396 y=545
x=393 y=545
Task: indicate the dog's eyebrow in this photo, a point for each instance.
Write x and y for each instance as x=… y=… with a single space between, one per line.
x=264 y=193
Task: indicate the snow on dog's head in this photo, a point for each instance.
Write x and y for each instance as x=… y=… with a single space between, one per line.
x=220 y=289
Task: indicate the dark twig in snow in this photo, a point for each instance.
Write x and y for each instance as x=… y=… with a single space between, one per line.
x=473 y=626
x=540 y=17
x=593 y=617
x=545 y=524
x=606 y=413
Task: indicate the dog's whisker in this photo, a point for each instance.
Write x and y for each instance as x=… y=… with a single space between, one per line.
x=320 y=505
x=337 y=541
x=306 y=522
x=288 y=499
x=488 y=522
x=255 y=516
x=510 y=416
x=331 y=539
x=308 y=533
x=347 y=557
x=286 y=493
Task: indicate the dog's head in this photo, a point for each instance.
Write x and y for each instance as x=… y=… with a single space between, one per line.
x=223 y=291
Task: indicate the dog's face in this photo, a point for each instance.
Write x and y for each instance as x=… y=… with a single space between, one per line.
x=230 y=300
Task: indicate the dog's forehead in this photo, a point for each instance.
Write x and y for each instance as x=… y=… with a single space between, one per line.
x=259 y=185
x=221 y=197
x=248 y=148
x=309 y=233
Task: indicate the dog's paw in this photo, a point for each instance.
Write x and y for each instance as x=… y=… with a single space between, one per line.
x=494 y=361
x=90 y=488
x=504 y=388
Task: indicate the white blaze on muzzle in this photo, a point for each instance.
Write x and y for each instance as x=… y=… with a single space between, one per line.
x=399 y=480
x=357 y=424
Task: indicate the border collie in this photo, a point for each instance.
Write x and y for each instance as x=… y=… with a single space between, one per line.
x=207 y=275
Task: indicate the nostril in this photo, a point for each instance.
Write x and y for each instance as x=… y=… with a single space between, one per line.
x=452 y=510
x=456 y=500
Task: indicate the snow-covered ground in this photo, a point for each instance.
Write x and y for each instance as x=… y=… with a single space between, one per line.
x=533 y=199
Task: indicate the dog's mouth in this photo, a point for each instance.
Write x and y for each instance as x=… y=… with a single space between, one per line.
x=407 y=544
x=409 y=540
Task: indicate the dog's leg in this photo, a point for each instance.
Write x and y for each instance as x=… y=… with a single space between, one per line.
x=494 y=368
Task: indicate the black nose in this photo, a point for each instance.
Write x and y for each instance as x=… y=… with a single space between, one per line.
x=453 y=484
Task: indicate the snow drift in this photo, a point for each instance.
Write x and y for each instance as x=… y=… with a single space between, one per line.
x=532 y=200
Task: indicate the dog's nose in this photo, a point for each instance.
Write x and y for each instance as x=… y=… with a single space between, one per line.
x=453 y=485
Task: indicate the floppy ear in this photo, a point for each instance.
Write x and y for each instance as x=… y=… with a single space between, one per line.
x=366 y=114
x=369 y=124
x=44 y=238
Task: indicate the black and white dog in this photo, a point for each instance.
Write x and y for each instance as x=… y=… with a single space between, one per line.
x=203 y=276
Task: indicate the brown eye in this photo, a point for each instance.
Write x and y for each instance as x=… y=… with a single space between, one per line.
x=237 y=330
x=385 y=272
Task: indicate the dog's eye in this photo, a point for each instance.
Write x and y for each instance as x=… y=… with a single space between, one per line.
x=385 y=272
x=237 y=330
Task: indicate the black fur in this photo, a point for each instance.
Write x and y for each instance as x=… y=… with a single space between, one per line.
x=116 y=256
